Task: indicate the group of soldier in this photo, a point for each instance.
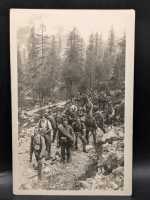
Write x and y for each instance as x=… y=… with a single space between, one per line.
x=79 y=119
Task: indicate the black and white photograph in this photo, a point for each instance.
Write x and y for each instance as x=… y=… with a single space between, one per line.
x=72 y=101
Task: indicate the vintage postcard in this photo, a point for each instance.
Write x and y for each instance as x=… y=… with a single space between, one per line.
x=72 y=101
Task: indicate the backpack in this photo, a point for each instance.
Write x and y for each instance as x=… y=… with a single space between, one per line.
x=90 y=122
x=42 y=130
x=37 y=143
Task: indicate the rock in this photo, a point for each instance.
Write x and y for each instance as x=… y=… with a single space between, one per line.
x=99 y=135
x=100 y=182
x=85 y=185
x=120 y=145
x=114 y=186
x=46 y=171
x=32 y=120
x=109 y=135
x=26 y=186
x=118 y=171
x=118 y=176
x=89 y=180
x=121 y=134
x=89 y=147
x=25 y=124
x=120 y=158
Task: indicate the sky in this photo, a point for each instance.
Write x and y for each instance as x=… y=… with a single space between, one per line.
x=63 y=21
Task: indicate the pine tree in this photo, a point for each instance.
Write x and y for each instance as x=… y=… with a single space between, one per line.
x=37 y=46
x=52 y=66
x=73 y=62
x=118 y=74
x=90 y=62
x=94 y=56
x=99 y=58
x=121 y=57
x=109 y=56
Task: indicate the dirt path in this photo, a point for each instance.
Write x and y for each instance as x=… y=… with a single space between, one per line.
x=56 y=176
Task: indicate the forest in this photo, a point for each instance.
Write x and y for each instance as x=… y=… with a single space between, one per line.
x=55 y=67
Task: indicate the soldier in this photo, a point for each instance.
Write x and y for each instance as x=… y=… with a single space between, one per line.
x=52 y=120
x=78 y=98
x=66 y=137
x=90 y=127
x=70 y=115
x=80 y=132
x=101 y=101
x=38 y=148
x=119 y=112
x=88 y=105
x=100 y=120
x=58 y=122
x=45 y=128
x=109 y=113
x=81 y=111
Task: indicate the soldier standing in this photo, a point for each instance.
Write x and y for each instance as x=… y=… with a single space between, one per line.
x=80 y=132
x=45 y=128
x=88 y=105
x=38 y=148
x=100 y=120
x=91 y=127
x=66 y=138
x=52 y=120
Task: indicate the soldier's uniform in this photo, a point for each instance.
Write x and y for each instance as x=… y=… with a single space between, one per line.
x=90 y=127
x=119 y=112
x=70 y=115
x=102 y=101
x=89 y=108
x=66 y=141
x=80 y=131
x=109 y=113
x=100 y=120
x=52 y=120
x=45 y=130
x=38 y=147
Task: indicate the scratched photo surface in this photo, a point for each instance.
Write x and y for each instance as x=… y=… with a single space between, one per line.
x=72 y=82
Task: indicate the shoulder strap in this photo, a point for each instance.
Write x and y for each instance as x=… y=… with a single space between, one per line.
x=47 y=124
x=40 y=124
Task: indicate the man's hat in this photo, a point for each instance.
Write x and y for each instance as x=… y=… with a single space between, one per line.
x=45 y=115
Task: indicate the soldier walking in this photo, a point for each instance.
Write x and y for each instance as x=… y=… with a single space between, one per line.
x=66 y=138
x=80 y=133
x=45 y=128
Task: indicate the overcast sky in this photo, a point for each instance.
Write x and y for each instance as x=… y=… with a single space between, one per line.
x=86 y=21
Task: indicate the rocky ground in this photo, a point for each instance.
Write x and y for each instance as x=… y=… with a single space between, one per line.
x=98 y=169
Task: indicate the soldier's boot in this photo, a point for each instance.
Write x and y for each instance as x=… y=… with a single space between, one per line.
x=87 y=137
x=49 y=153
x=84 y=148
x=54 y=136
x=94 y=137
x=68 y=154
x=39 y=170
x=63 y=154
x=76 y=143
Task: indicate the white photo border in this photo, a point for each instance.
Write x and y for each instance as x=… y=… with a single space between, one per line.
x=129 y=79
